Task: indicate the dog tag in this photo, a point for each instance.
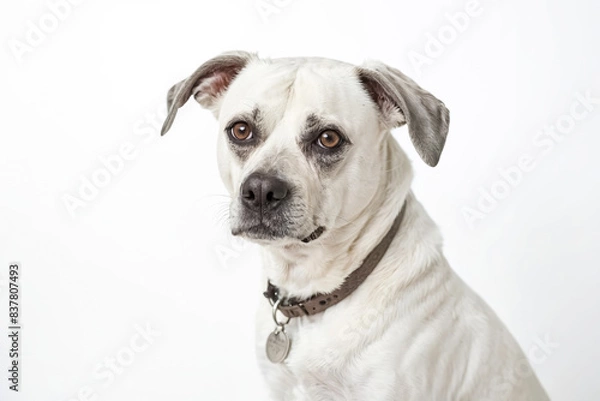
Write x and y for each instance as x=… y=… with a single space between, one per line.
x=278 y=346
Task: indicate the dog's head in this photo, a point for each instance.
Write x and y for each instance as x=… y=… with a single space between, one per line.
x=303 y=141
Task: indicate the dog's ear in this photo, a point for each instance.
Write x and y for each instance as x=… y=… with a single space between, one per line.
x=401 y=100
x=207 y=84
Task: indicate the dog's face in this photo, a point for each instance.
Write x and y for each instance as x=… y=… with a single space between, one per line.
x=302 y=142
x=297 y=149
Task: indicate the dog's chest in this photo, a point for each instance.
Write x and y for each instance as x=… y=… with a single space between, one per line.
x=306 y=373
x=328 y=359
x=327 y=369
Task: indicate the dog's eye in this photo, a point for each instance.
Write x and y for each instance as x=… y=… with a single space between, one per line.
x=329 y=139
x=241 y=131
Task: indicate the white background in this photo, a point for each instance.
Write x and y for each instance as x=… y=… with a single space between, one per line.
x=152 y=248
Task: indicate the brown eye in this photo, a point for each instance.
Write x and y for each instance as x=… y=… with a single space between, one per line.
x=329 y=139
x=241 y=131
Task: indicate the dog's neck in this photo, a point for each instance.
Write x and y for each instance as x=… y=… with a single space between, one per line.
x=322 y=267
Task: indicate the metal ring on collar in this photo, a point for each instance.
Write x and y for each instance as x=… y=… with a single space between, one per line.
x=275 y=309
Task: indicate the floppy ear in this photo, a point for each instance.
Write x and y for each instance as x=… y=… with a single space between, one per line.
x=401 y=101
x=207 y=84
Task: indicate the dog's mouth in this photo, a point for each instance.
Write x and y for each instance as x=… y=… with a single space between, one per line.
x=259 y=232
x=314 y=235
x=263 y=233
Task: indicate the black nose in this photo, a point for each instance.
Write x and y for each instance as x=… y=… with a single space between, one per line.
x=261 y=192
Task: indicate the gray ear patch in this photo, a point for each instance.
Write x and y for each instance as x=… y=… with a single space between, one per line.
x=426 y=116
x=207 y=83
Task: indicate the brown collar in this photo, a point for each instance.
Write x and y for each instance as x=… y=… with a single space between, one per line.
x=292 y=307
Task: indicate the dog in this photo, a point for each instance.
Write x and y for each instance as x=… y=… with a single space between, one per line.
x=360 y=302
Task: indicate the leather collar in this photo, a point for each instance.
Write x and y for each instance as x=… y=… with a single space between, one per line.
x=292 y=307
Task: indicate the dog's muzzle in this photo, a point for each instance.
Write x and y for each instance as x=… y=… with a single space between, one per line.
x=267 y=209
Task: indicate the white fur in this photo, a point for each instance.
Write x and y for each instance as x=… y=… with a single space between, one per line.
x=413 y=330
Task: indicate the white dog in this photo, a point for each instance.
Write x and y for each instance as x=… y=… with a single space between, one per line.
x=362 y=305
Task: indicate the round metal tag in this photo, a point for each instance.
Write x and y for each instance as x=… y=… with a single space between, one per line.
x=278 y=346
